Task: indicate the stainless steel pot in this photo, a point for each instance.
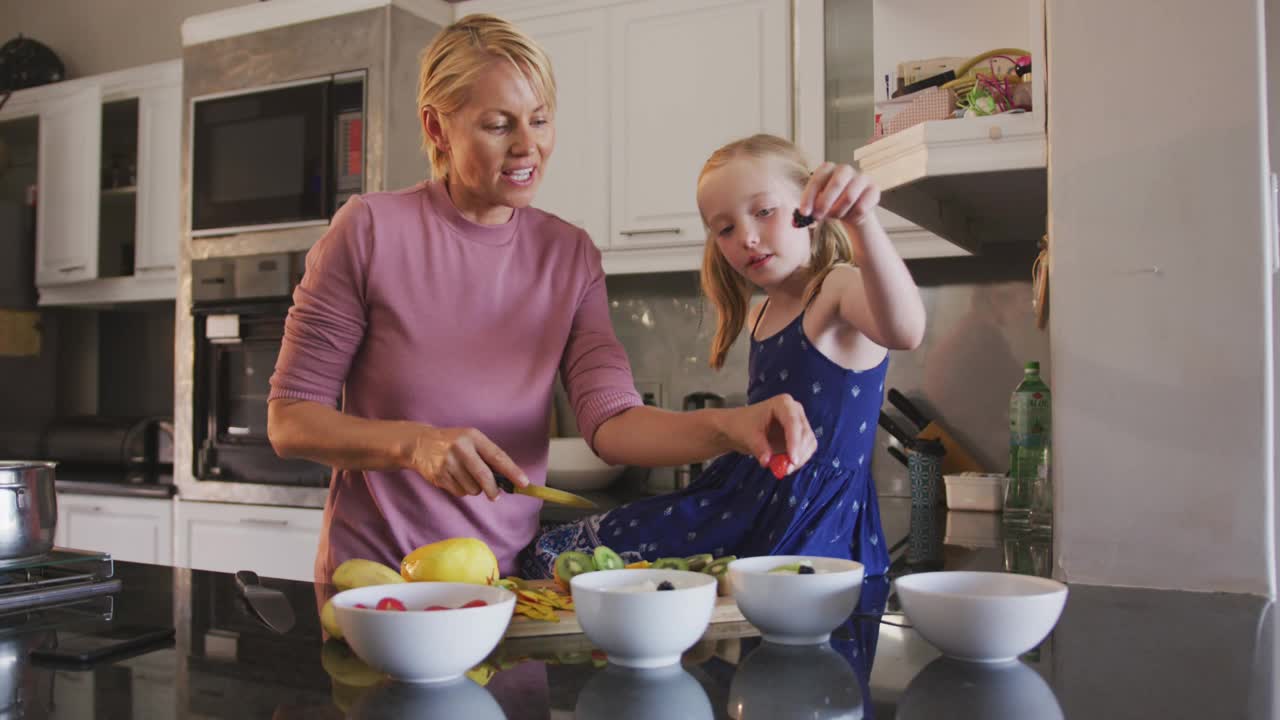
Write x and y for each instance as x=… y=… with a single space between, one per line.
x=28 y=509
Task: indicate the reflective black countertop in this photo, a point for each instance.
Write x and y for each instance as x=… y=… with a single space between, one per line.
x=1116 y=653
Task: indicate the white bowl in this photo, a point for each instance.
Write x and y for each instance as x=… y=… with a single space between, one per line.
x=460 y=698
x=796 y=609
x=416 y=646
x=958 y=690
x=620 y=693
x=780 y=681
x=988 y=617
x=643 y=629
x=572 y=466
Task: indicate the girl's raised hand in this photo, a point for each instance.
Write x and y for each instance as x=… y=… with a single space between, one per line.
x=838 y=191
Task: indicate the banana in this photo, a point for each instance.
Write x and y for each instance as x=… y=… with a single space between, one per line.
x=360 y=573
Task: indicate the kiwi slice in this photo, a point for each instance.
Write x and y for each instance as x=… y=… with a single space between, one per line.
x=719 y=566
x=670 y=563
x=791 y=569
x=699 y=561
x=571 y=563
x=606 y=559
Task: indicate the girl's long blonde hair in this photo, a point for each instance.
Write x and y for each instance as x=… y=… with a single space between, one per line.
x=459 y=53
x=729 y=291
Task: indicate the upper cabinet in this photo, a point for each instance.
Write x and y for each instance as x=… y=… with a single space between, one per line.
x=106 y=184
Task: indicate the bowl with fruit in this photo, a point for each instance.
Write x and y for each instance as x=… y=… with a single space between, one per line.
x=795 y=599
x=423 y=632
x=643 y=618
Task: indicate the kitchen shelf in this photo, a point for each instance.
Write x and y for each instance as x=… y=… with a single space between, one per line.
x=970 y=181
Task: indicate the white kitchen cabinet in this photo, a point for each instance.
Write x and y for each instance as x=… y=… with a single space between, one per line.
x=278 y=542
x=107 y=225
x=131 y=529
x=574 y=187
x=687 y=77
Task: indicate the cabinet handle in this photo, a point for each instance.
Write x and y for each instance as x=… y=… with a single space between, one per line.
x=651 y=231
x=86 y=508
x=264 y=521
x=71 y=269
x=155 y=268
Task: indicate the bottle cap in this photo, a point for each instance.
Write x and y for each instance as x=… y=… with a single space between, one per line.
x=1033 y=365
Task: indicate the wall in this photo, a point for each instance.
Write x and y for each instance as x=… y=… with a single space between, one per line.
x=1161 y=287
x=980 y=331
x=104 y=35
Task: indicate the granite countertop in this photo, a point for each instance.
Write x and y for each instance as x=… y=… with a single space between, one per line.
x=1116 y=653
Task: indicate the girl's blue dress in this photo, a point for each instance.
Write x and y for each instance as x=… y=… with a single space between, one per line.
x=827 y=508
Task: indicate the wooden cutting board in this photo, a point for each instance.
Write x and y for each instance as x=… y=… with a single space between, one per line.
x=725 y=611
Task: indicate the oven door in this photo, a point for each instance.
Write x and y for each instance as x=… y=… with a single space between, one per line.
x=236 y=354
x=261 y=158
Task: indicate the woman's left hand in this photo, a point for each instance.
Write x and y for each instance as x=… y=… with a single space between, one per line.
x=838 y=191
x=771 y=427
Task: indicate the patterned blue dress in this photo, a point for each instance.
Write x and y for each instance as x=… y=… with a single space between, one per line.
x=826 y=508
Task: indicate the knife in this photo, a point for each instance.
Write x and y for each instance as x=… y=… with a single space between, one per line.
x=895 y=430
x=271 y=606
x=559 y=497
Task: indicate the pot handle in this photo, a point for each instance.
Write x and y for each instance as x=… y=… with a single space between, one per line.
x=20 y=492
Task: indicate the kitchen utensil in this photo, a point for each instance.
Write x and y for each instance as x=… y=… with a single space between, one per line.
x=793 y=609
x=988 y=617
x=895 y=430
x=957 y=460
x=271 y=606
x=417 y=645
x=559 y=497
x=647 y=628
x=725 y=611
x=924 y=466
x=28 y=510
x=898 y=455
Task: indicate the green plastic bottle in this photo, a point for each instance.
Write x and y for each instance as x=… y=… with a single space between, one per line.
x=1030 y=411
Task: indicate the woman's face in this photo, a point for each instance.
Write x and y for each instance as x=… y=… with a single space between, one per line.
x=498 y=144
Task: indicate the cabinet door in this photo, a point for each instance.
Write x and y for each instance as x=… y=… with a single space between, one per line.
x=159 y=145
x=67 y=213
x=131 y=529
x=576 y=183
x=686 y=78
x=271 y=541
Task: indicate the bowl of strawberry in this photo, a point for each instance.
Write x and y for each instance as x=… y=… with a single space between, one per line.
x=424 y=632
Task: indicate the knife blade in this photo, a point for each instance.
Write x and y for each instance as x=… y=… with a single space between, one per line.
x=552 y=495
x=270 y=605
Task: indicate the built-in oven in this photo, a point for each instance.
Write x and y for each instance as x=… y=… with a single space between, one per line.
x=286 y=155
x=239 y=307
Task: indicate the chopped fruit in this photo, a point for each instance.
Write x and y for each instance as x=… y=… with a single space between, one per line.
x=666 y=585
x=362 y=606
x=606 y=559
x=780 y=465
x=475 y=603
x=699 y=561
x=799 y=219
x=571 y=563
x=433 y=608
x=638 y=565
x=805 y=570
x=390 y=603
x=670 y=563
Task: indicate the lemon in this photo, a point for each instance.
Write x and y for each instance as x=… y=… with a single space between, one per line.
x=357 y=572
x=465 y=560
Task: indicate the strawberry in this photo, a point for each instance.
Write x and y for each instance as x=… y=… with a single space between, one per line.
x=390 y=603
x=437 y=607
x=780 y=465
x=475 y=603
x=362 y=606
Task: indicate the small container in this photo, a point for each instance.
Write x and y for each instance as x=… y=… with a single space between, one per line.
x=975 y=491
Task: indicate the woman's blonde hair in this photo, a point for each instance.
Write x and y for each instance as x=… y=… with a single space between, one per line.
x=459 y=53
x=728 y=290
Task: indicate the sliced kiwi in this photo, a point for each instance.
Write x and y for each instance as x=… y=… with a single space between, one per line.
x=791 y=569
x=699 y=561
x=606 y=559
x=670 y=563
x=719 y=566
x=571 y=563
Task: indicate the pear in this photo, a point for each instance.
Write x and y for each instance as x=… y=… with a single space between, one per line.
x=360 y=573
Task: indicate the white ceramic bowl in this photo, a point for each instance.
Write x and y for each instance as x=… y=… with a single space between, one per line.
x=416 y=646
x=795 y=609
x=643 y=629
x=958 y=690
x=789 y=681
x=572 y=466
x=989 y=617
x=620 y=693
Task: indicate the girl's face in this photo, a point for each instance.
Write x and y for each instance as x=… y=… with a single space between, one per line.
x=747 y=205
x=498 y=143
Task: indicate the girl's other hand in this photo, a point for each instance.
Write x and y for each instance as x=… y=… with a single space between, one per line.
x=461 y=461
x=770 y=427
x=839 y=191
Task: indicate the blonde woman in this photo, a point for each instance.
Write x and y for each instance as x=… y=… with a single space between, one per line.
x=838 y=298
x=440 y=315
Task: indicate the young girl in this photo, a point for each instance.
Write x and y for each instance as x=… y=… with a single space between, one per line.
x=838 y=297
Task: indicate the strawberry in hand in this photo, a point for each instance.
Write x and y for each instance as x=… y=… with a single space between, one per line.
x=780 y=465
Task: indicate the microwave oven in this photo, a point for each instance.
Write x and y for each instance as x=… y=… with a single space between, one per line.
x=275 y=157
